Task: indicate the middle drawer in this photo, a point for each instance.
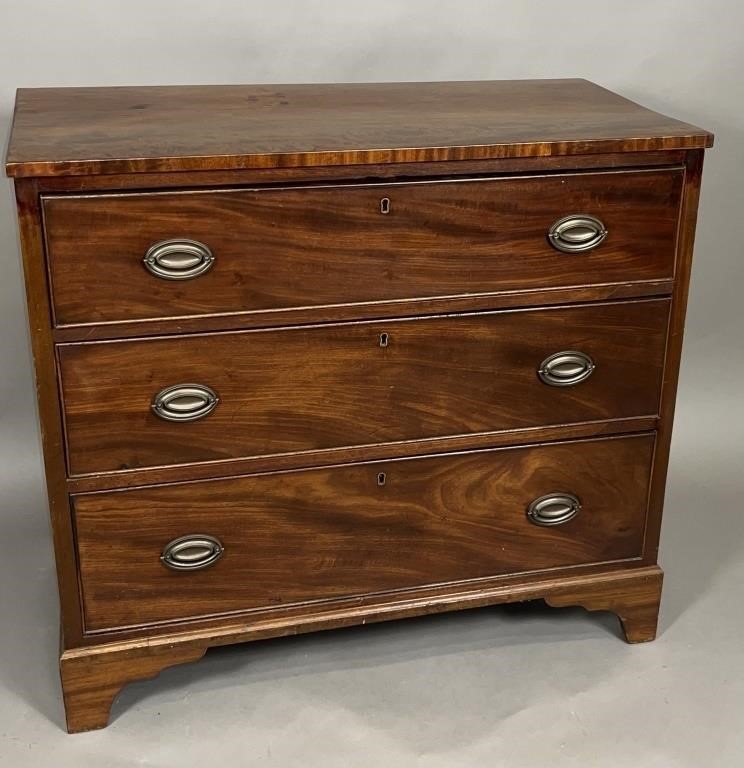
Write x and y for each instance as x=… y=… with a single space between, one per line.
x=151 y=402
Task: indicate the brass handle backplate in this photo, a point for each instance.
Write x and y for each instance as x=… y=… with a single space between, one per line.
x=178 y=259
x=184 y=402
x=192 y=552
x=565 y=369
x=577 y=233
x=553 y=509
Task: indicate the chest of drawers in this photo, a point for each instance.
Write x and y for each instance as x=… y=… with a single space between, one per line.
x=316 y=356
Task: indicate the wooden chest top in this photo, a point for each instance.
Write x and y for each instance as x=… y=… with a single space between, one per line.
x=78 y=131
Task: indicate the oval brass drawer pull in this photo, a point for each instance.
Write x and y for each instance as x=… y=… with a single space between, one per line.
x=564 y=369
x=553 y=509
x=184 y=402
x=178 y=259
x=576 y=233
x=192 y=553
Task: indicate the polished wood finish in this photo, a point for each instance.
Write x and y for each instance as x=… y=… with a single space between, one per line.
x=49 y=409
x=98 y=156
x=637 y=608
x=448 y=169
x=91 y=679
x=320 y=458
x=673 y=355
x=331 y=386
x=329 y=533
x=297 y=247
x=537 y=297
x=58 y=131
x=93 y=676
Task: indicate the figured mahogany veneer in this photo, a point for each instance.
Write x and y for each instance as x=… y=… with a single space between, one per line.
x=295 y=247
x=332 y=386
x=369 y=334
x=74 y=131
x=331 y=533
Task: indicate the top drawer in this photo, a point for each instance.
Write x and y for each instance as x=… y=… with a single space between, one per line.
x=269 y=249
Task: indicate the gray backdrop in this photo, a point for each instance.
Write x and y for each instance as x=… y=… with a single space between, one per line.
x=498 y=687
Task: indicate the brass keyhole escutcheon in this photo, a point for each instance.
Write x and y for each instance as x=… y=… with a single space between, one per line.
x=385 y=205
x=381 y=479
x=384 y=339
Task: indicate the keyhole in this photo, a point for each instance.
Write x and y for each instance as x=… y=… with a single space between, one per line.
x=385 y=205
x=381 y=479
x=384 y=339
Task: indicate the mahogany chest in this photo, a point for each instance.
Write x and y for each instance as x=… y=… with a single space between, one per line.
x=322 y=355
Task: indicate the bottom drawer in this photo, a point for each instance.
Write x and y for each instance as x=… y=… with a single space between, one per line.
x=271 y=540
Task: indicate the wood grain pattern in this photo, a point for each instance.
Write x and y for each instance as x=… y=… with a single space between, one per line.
x=637 y=609
x=176 y=473
x=331 y=533
x=673 y=352
x=91 y=680
x=333 y=385
x=285 y=183
x=71 y=131
x=49 y=408
x=301 y=247
x=345 y=610
x=533 y=297
x=94 y=675
x=451 y=169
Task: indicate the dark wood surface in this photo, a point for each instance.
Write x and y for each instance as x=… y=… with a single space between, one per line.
x=297 y=247
x=673 y=354
x=565 y=127
x=175 y=473
x=91 y=681
x=92 y=676
x=637 y=605
x=416 y=307
x=331 y=533
x=395 y=171
x=49 y=408
x=69 y=131
x=331 y=386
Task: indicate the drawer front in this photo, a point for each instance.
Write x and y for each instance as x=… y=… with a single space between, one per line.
x=353 y=384
x=278 y=249
x=311 y=535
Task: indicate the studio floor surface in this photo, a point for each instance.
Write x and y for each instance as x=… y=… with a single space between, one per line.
x=508 y=686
